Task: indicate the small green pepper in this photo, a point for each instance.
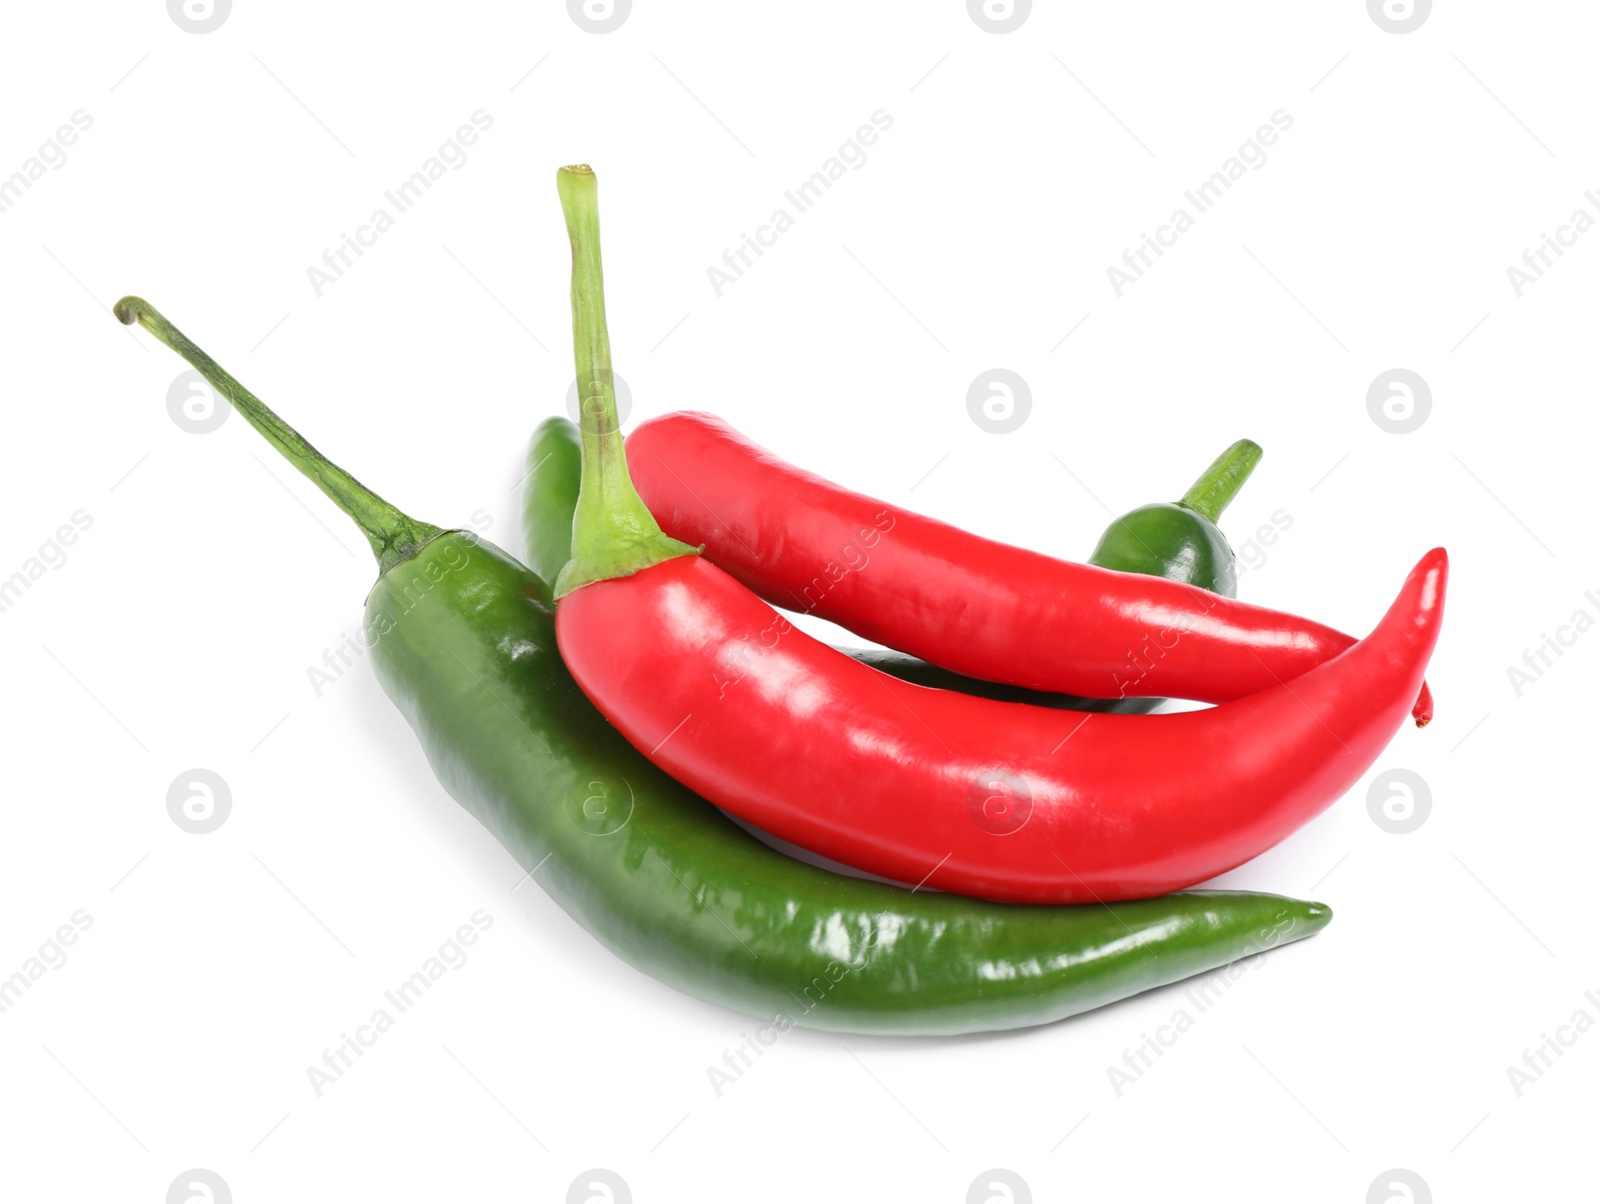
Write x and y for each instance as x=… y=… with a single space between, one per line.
x=1180 y=540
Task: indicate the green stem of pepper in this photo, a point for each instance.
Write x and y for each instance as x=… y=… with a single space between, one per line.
x=394 y=536
x=613 y=534
x=1209 y=496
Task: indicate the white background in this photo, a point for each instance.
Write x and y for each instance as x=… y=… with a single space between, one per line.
x=179 y=630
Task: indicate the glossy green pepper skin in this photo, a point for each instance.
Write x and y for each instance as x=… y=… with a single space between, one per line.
x=551 y=495
x=674 y=888
x=1179 y=540
x=462 y=639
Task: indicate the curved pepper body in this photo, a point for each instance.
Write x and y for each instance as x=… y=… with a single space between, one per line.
x=997 y=800
x=968 y=604
x=463 y=642
x=1161 y=540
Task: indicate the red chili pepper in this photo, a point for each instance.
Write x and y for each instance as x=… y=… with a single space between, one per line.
x=1000 y=800
x=957 y=600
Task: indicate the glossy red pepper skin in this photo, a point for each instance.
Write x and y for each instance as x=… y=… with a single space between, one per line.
x=998 y=800
x=957 y=600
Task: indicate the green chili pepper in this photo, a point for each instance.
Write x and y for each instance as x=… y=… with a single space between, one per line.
x=462 y=639
x=1179 y=540
x=551 y=495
